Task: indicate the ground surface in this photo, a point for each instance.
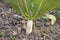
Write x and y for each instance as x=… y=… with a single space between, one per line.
x=12 y=28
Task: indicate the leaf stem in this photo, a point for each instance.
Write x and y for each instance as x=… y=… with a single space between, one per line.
x=20 y=9
x=26 y=8
x=33 y=16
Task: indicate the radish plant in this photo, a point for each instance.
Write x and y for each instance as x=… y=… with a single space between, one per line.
x=34 y=9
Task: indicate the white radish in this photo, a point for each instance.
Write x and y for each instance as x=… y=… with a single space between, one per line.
x=29 y=26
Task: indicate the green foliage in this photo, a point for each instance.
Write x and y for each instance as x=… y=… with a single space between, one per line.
x=32 y=9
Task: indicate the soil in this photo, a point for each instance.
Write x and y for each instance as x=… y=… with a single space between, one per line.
x=13 y=27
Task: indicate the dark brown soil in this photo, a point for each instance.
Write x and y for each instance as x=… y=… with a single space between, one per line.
x=13 y=28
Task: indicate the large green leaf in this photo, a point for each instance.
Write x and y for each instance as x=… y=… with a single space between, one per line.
x=32 y=9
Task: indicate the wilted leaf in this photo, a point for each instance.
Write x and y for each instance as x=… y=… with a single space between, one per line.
x=52 y=17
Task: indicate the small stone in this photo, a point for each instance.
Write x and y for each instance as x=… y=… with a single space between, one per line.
x=23 y=21
x=14 y=32
x=19 y=30
x=47 y=23
x=24 y=38
x=24 y=24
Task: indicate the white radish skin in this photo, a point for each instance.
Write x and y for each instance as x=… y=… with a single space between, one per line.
x=29 y=26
